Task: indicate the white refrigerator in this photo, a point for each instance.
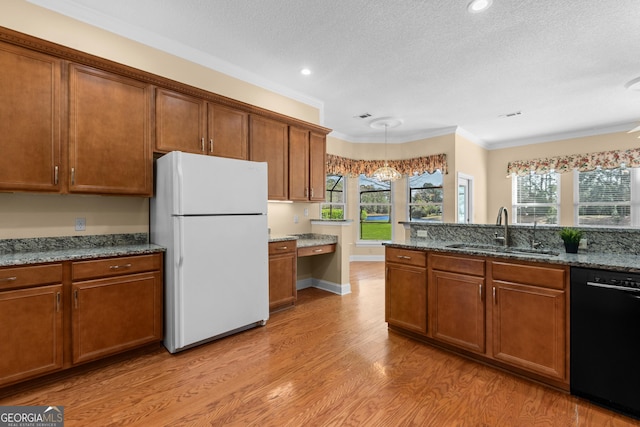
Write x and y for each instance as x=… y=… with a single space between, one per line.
x=211 y=215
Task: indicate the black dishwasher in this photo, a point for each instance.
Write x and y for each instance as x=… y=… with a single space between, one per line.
x=605 y=338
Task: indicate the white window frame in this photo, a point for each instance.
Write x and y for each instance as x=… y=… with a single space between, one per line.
x=515 y=205
x=634 y=203
x=409 y=204
x=367 y=242
x=344 y=196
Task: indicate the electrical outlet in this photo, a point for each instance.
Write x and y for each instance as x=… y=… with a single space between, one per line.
x=81 y=224
x=306 y=211
x=583 y=243
x=422 y=233
x=296 y=219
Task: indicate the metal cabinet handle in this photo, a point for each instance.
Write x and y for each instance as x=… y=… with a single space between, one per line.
x=480 y=290
x=202 y=144
x=116 y=267
x=75 y=298
x=57 y=302
x=494 y=295
x=9 y=279
x=211 y=145
x=311 y=192
x=73 y=176
x=55 y=175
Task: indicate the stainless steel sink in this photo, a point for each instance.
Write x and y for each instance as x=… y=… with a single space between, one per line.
x=502 y=249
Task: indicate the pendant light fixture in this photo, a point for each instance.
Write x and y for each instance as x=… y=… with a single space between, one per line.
x=386 y=173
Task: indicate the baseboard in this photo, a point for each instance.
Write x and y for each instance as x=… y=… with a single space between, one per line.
x=334 y=288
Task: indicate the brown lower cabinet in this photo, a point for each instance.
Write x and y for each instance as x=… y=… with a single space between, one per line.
x=102 y=307
x=406 y=289
x=283 y=265
x=508 y=313
x=31 y=335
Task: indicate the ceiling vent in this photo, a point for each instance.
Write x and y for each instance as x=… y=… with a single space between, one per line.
x=517 y=113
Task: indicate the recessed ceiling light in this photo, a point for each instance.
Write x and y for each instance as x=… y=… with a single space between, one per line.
x=305 y=71
x=477 y=6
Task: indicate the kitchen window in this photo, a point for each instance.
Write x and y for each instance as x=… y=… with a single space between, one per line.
x=335 y=201
x=607 y=197
x=375 y=209
x=536 y=198
x=425 y=197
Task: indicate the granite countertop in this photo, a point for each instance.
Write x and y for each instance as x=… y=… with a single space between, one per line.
x=607 y=261
x=18 y=252
x=307 y=239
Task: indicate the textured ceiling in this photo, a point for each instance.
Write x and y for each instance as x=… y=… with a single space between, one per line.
x=562 y=64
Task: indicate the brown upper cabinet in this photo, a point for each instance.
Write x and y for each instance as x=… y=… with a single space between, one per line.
x=306 y=165
x=29 y=120
x=269 y=142
x=72 y=122
x=191 y=124
x=109 y=133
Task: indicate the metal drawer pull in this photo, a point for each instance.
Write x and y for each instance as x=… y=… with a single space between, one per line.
x=317 y=250
x=115 y=267
x=9 y=279
x=282 y=248
x=403 y=257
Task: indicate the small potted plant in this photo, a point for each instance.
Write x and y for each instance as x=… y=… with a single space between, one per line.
x=571 y=238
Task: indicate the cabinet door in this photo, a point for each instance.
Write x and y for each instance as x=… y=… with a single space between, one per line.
x=109 y=134
x=406 y=297
x=282 y=277
x=317 y=167
x=457 y=310
x=228 y=132
x=29 y=120
x=31 y=333
x=115 y=314
x=180 y=122
x=298 y=164
x=529 y=328
x=269 y=142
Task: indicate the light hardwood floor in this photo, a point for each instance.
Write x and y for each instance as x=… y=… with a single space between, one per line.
x=330 y=361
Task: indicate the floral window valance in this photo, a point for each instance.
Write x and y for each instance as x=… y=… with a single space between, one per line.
x=337 y=165
x=582 y=162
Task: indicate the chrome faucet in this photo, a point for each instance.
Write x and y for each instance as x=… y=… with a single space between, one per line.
x=534 y=243
x=505 y=238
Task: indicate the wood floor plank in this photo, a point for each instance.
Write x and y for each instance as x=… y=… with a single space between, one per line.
x=328 y=361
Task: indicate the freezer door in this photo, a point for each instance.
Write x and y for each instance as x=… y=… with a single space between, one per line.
x=219 y=278
x=204 y=185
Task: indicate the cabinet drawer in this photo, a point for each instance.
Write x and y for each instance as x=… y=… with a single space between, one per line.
x=283 y=247
x=458 y=264
x=547 y=276
x=81 y=270
x=316 y=250
x=20 y=277
x=406 y=256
